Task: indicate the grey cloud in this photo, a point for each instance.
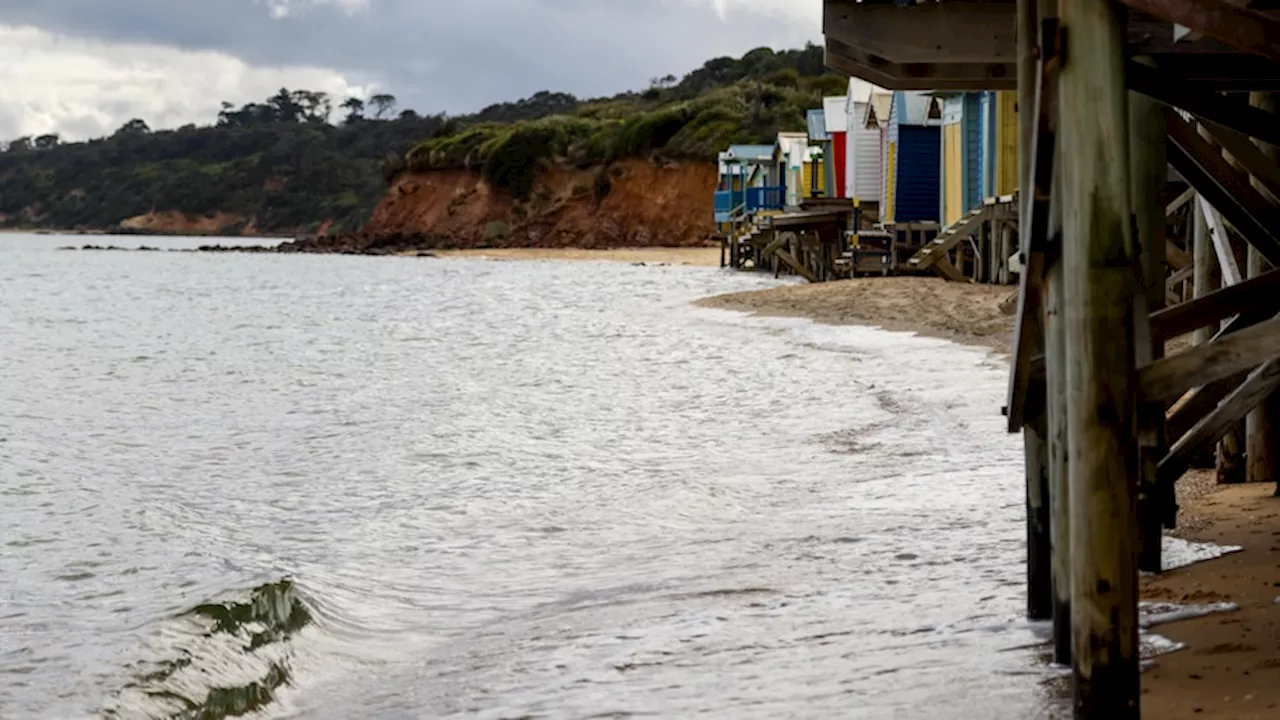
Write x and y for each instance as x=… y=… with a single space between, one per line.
x=436 y=55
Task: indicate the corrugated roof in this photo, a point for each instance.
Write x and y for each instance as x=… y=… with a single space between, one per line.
x=837 y=114
x=750 y=152
x=818 y=126
x=878 y=109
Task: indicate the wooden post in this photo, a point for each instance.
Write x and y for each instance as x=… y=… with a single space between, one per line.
x=1260 y=455
x=1148 y=170
x=1056 y=390
x=1204 y=263
x=1100 y=291
x=1039 y=553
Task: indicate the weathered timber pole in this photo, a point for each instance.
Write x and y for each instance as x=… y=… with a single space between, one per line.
x=1056 y=392
x=1204 y=263
x=1100 y=291
x=1260 y=454
x=1148 y=171
x=1039 y=543
x=1229 y=457
x=1056 y=388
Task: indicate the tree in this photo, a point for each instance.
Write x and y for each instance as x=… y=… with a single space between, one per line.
x=135 y=126
x=382 y=104
x=21 y=144
x=313 y=106
x=285 y=106
x=408 y=115
x=354 y=107
x=47 y=142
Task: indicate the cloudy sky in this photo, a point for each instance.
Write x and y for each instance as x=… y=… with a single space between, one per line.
x=84 y=67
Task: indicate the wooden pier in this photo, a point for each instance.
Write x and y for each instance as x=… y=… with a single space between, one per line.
x=1148 y=211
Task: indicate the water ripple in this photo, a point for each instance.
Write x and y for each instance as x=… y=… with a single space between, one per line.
x=358 y=487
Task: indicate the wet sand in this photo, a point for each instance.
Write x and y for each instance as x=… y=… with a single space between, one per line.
x=970 y=314
x=1230 y=668
x=701 y=256
x=1231 y=665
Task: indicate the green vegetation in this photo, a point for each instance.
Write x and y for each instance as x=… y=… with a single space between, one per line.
x=283 y=165
x=726 y=101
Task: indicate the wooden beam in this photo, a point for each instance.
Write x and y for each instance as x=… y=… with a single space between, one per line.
x=919 y=76
x=1043 y=144
x=1264 y=170
x=1227 y=190
x=1097 y=260
x=1186 y=197
x=1239 y=27
x=944 y=267
x=1172 y=376
x=1178 y=276
x=925 y=33
x=1221 y=245
x=1200 y=402
x=1176 y=257
x=1216 y=306
x=796 y=265
x=1257 y=386
x=1170 y=88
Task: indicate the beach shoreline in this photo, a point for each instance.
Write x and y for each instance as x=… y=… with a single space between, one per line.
x=970 y=314
x=1230 y=667
x=692 y=256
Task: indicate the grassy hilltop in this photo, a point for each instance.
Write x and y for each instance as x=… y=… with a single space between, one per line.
x=294 y=161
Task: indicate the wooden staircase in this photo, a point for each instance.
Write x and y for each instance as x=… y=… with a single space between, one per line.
x=934 y=254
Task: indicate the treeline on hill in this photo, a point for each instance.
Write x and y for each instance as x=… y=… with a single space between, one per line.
x=279 y=163
x=285 y=165
x=726 y=101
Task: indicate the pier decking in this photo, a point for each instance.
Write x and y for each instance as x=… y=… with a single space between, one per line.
x=1130 y=138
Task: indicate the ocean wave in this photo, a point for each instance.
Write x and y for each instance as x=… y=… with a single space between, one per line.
x=219 y=659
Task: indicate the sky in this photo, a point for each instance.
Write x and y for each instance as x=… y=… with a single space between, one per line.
x=82 y=68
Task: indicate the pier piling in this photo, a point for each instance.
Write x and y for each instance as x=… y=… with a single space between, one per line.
x=1097 y=259
x=1108 y=101
x=1260 y=453
x=1148 y=169
x=1039 y=541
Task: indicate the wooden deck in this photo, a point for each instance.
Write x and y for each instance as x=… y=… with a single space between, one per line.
x=1111 y=95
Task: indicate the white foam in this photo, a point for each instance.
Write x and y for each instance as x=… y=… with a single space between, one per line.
x=1151 y=614
x=1176 y=552
x=1151 y=645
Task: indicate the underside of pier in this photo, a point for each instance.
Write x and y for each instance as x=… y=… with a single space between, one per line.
x=1111 y=95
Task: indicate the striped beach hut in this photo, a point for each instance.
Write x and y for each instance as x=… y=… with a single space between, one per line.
x=999 y=168
x=879 y=107
x=816 y=167
x=912 y=158
x=963 y=149
x=836 y=116
x=862 y=154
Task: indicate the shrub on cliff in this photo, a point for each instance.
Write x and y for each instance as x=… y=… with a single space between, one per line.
x=646 y=132
x=512 y=159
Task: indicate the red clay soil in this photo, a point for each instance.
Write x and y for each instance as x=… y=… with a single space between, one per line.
x=648 y=205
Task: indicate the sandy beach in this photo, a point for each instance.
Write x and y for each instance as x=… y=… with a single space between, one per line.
x=970 y=314
x=701 y=256
x=1230 y=668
